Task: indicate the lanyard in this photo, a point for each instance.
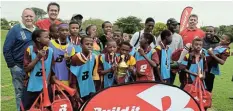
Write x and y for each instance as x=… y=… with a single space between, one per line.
x=74 y=42
x=112 y=58
x=166 y=54
x=86 y=58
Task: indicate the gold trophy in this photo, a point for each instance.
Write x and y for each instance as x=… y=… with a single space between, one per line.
x=122 y=67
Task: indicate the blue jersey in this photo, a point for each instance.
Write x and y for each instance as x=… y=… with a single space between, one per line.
x=35 y=81
x=84 y=74
x=215 y=67
x=77 y=48
x=109 y=77
x=165 y=63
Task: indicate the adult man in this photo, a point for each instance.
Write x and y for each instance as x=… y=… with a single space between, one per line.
x=53 y=11
x=177 y=41
x=149 y=25
x=17 y=40
x=192 y=31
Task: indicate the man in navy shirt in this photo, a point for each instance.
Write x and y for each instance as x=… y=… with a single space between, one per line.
x=17 y=39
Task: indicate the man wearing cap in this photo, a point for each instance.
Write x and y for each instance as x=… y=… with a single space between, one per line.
x=53 y=11
x=192 y=31
x=177 y=41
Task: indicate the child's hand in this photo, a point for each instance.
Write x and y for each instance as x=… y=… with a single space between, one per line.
x=141 y=52
x=210 y=52
x=41 y=53
x=66 y=56
x=114 y=67
x=109 y=35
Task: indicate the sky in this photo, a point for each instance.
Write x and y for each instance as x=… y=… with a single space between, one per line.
x=210 y=12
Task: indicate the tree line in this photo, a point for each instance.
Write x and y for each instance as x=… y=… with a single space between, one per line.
x=130 y=24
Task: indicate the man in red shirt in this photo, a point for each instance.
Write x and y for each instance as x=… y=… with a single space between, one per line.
x=53 y=11
x=192 y=31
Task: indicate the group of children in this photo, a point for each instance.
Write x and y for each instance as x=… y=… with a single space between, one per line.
x=89 y=65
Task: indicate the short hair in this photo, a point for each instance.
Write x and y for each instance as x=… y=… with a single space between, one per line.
x=36 y=34
x=53 y=3
x=74 y=22
x=118 y=30
x=229 y=37
x=149 y=37
x=165 y=33
x=103 y=25
x=125 y=43
x=212 y=27
x=150 y=19
x=197 y=40
x=110 y=41
x=193 y=15
x=83 y=38
x=88 y=28
x=29 y=9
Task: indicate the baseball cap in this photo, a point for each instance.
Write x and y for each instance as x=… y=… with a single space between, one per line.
x=172 y=21
x=77 y=17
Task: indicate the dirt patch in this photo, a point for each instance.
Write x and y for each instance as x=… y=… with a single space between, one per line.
x=6 y=98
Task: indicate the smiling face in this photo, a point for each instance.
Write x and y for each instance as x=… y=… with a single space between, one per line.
x=149 y=26
x=210 y=32
x=193 y=22
x=107 y=28
x=53 y=12
x=28 y=18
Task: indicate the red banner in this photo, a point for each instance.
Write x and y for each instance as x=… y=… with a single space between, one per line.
x=143 y=96
x=184 y=17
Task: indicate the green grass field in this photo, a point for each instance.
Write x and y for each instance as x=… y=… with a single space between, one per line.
x=223 y=88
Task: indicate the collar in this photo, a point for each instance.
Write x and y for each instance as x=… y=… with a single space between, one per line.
x=24 y=27
x=191 y=29
x=163 y=46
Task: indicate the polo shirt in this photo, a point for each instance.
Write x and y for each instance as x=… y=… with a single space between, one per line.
x=189 y=34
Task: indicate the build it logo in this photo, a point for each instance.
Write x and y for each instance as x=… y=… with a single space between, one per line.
x=128 y=108
x=142 y=97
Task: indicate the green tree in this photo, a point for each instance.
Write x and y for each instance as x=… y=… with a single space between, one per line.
x=159 y=27
x=40 y=13
x=12 y=23
x=4 y=24
x=93 y=21
x=129 y=24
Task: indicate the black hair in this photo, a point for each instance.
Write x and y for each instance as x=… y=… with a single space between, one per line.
x=110 y=41
x=212 y=27
x=83 y=38
x=125 y=43
x=105 y=23
x=74 y=22
x=165 y=33
x=88 y=28
x=53 y=3
x=229 y=37
x=118 y=30
x=36 y=34
x=52 y=26
x=150 y=19
x=149 y=37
